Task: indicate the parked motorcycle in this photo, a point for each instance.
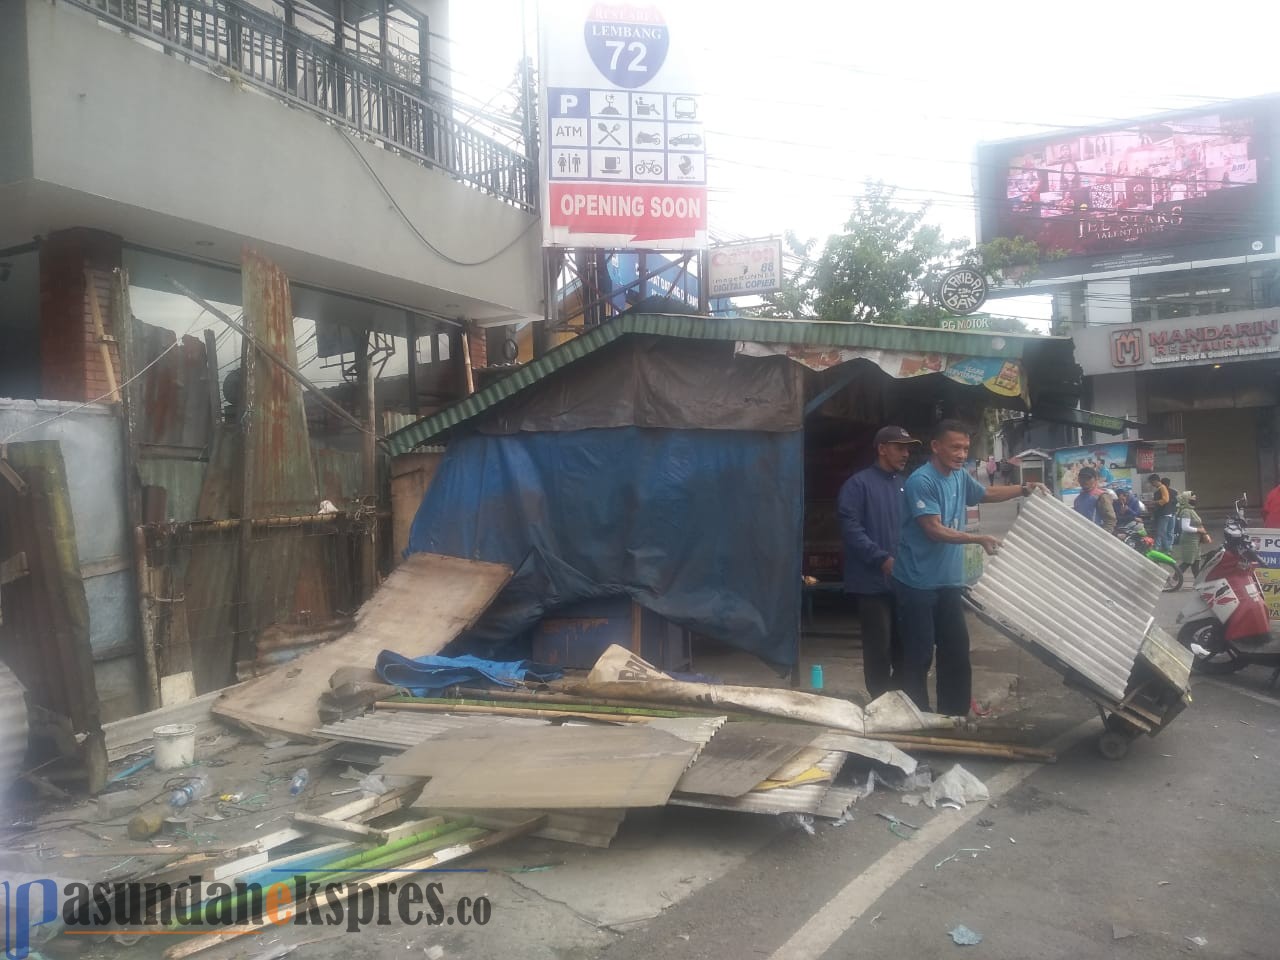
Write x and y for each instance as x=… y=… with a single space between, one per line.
x=1135 y=535
x=1225 y=624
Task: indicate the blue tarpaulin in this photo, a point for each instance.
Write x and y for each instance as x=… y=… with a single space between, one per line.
x=704 y=527
x=424 y=676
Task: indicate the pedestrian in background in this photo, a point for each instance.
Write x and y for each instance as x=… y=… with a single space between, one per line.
x=928 y=575
x=991 y=471
x=1162 y=509
x=1271 y=509
x=1191 y=533
x=870 y=510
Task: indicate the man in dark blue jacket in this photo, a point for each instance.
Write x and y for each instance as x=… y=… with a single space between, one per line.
x=870 y=509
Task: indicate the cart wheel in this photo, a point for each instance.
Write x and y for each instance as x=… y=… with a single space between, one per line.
x=1113 y=745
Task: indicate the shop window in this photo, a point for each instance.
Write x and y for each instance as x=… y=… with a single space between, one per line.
x=20 y=326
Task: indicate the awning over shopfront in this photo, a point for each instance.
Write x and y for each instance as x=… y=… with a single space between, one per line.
x=1022 y=370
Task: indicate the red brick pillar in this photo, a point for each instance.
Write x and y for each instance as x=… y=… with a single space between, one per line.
x=478 y=344
x=71 y=360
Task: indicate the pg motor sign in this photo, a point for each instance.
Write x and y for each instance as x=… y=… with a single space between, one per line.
x=624 y=149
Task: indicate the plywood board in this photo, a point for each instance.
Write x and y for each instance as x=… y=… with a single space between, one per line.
x=806 y=798
x=547 y=768
x=743 y=755
x=426 y=602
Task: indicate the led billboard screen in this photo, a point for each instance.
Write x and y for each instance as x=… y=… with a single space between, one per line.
x=1193 y=186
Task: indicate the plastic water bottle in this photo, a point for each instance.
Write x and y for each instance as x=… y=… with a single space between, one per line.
x=299 y=781
x=189 y=792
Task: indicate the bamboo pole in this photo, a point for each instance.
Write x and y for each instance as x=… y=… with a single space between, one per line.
x=918 y=741
x=573 y=699
x=498 y=711
x=456 y=852
x=629 y=709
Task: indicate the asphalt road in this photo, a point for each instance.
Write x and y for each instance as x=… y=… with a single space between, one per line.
x=1083 y=858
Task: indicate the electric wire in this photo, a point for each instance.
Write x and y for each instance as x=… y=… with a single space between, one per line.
x=413 y=227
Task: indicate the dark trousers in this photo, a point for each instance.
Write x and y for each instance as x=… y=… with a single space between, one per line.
x=929 y=619
x=881 y=648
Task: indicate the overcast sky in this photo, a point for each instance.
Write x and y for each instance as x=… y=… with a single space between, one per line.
x=806 y=99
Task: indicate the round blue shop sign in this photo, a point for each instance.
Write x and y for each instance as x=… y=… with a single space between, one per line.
x=627 y=43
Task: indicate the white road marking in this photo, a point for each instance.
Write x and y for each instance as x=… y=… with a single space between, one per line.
x=843 y=910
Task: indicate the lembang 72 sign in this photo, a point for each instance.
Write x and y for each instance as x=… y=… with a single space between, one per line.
x=623 y=142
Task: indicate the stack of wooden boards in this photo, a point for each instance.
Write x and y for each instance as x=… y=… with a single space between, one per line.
x=584 y=776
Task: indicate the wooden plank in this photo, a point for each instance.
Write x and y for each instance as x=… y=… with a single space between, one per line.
x=14 y=568
x=367 y=808
x=95 y=310
x=425 y=602
x=134 y=733
x=743 y=755
x=456 y=852
x=340 y=828
x=547 y=768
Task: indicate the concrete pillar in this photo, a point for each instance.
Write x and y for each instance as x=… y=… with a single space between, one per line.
x=72 y=362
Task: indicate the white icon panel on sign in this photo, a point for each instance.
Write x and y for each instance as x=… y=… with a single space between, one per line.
x=569 y=133
x=648 y=136
x=568 y=164
x=648 y=166
x=688 y=167
x=606 y=103
x=610 y=133
x=684 y=108
x=647 y=106
x=610 y=165
x=686 y=137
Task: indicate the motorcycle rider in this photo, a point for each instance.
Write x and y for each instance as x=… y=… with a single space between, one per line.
x=1093 y=502
x=1129 y=508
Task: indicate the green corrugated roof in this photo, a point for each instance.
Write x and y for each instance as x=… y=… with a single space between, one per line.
x=870 y=336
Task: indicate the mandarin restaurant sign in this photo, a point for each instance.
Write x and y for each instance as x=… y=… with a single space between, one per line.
x=1136 y=346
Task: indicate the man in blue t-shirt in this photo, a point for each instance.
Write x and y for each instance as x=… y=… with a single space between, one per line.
x=928 y=575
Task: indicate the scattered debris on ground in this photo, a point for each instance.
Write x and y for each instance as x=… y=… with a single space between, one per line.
x=353 y=762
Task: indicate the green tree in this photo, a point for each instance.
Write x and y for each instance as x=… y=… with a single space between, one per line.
x=886 y=265
x=873 y=271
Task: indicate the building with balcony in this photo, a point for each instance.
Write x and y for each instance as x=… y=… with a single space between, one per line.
x=146 y=146
x=163 y=136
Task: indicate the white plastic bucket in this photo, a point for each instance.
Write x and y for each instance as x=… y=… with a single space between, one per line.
x=175 y=745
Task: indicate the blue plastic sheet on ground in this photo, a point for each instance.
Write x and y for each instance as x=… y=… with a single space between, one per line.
x=424 y=676
x=703 y=527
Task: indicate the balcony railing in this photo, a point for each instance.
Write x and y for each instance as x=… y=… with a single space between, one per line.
x=269 y=54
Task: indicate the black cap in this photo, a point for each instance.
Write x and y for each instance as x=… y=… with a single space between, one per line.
x=894 y=435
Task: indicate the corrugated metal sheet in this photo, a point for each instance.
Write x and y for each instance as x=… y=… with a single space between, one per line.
x=806 y=798
x=181 y=480
x=339 y=473
x=13 y=727
x=396 y=729
x=175 y=409
x=814 y=333
x=400 y=729
x=1073 y=591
